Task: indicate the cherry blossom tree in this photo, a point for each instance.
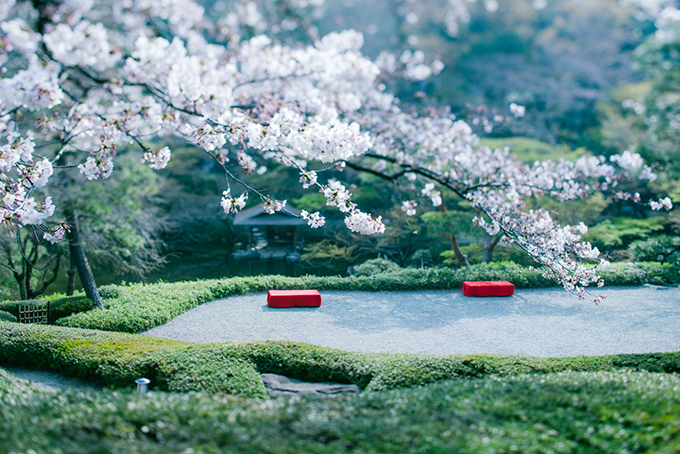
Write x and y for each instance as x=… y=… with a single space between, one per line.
x=82 y=78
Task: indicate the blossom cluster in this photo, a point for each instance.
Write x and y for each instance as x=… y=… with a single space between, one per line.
x=233 y=204
x=98 y=78
x=159 y=159
x=315 y=220
x=409 y=207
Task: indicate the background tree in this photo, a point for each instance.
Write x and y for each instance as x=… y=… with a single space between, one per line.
x=141 y=73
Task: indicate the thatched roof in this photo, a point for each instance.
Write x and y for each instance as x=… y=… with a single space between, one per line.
x=257 y=216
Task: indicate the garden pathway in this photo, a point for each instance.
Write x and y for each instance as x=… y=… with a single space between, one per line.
x=49 y=381
x=540 y=322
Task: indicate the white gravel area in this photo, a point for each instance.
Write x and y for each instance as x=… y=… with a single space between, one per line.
x=541 y=322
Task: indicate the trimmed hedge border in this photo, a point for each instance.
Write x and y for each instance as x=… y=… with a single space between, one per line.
x=593 y=412
x=140 y=307
x=7 y=316
x=116 y=359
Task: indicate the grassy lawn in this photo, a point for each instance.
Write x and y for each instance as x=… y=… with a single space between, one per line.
x=209 y=397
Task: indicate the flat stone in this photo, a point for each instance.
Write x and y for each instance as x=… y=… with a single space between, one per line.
x=280 y=385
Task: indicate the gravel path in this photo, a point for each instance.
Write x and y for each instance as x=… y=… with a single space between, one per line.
x=49 y=381
x=542 y=322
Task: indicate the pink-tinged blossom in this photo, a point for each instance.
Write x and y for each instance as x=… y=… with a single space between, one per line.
x=247 y=163
x=314 y=220
x=364 y=224
x=208 y=137
x=308 y=178
x=435 y=196
x=272 y=206
x=18 y=149
x=95 y=168
x=627 y=160
x=648 y=174
x=56 y=234
x=409 y=207
x=31 y=212
x=665 y=203
x=337 y=196
x=39 y=174
x=83 y=45
x=517 y=110
x=34 y=88
x=233 y=205
x=20 y=37
x=159 y=159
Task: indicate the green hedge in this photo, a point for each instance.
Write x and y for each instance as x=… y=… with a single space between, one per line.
x=117 y=359
x=112 y=359
x=59 y=307
x=139 y=307
x=588 y=412
x=7 y=316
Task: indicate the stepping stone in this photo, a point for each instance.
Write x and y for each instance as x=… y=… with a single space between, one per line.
x=280 y=385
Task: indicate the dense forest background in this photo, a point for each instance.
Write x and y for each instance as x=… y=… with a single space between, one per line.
x=578 y=66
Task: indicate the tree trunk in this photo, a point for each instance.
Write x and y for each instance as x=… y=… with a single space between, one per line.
x=22 y=285
x=78 y=255
x=489 y=244
x=462 y=258
x=71 y=273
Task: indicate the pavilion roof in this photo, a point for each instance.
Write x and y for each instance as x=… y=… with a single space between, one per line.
x=256 y=216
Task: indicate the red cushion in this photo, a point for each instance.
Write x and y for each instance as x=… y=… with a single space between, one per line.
x=293 y=298
x=488 y=288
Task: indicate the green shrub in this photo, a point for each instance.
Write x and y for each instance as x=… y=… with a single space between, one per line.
x=590 y=412
x=421 y=258
x=111 y=291
x=7 y=316
x=621 y=232
x=475 y=254
x=13 y=385
x=59 y=307
x=112 y=359
x=625 y=274
x=376 y=266
x=662 y=248
x=116 y=359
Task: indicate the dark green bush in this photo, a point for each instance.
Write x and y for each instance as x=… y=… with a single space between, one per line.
x=589 y=412
x=7 y=316
x=112 y=359
x=59 y=307
x=625 y=274
x=662 y=248
x=111 y=291
x=375 y=266
x=475 y=254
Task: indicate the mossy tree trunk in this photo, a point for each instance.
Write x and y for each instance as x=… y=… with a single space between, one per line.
x=489 y=244
x=80 y=260
x=455 y=247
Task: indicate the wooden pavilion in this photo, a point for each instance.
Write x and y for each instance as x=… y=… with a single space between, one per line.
x=279 y=230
